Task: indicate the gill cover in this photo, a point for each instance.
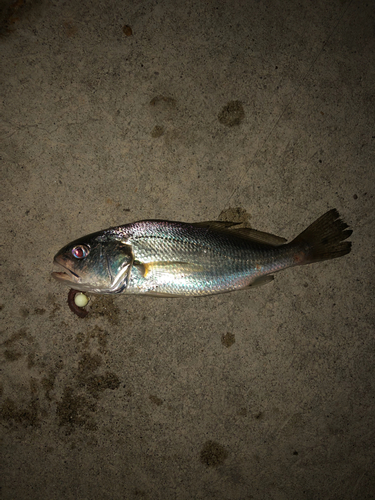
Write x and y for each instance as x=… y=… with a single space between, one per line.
x=96 y=263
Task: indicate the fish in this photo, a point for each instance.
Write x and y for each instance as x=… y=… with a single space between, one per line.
x=178 y=259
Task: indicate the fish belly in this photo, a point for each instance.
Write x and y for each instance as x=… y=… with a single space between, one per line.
x=184 y=279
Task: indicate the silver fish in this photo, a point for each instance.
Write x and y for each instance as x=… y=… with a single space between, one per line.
x=174 y=259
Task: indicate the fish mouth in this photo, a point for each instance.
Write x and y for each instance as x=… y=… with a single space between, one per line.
x=66 y=274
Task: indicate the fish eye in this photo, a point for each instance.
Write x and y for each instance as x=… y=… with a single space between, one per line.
x=80 y=251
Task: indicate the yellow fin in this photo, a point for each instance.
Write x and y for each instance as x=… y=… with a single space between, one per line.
x=167 y=267
x=143 y=268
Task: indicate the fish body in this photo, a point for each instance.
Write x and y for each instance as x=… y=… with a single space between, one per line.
x=164 y=258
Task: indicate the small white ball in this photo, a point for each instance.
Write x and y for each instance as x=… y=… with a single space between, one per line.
x=81 y=300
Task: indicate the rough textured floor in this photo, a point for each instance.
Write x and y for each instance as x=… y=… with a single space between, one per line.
x=187 y=110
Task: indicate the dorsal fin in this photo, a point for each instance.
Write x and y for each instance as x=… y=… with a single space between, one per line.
x=215 y=224
x=260 y=236
x=243 y=232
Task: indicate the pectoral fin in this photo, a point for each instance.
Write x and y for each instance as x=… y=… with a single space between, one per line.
x=177 y=269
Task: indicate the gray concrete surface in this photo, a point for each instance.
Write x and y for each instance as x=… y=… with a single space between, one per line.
x=263 y=111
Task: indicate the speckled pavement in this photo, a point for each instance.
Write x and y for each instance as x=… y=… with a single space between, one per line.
x=260 y=112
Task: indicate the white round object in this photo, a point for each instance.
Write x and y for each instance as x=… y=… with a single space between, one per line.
x=81 y=300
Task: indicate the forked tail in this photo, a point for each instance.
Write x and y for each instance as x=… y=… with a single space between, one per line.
x=324 y=239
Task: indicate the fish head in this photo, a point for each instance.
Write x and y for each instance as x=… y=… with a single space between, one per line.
x=97 y=263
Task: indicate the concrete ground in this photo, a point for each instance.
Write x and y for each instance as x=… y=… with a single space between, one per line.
x=257 y=111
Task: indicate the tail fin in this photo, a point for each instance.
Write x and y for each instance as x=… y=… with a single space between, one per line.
x=324 y=239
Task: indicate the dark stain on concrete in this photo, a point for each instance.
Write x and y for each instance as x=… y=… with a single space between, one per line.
x=70 y=29
x=139 y=493
x=24 y=312
x=100 y=383
x=105 y=307
x=157 y=131
x=75 y=410
x=213 y=454
x=26 y=416
x=95 y=383
x=228 y=339
x=17 y=345
x=39 y=311
x=231 y=114
x=157 y=401
x=95 y=335
x=30 y=360
x=48 y=384
x=126 y=29
x=88 y=363
x=161 y=100
x=78 y=404
x=9 y=15
x=18 y=337
x=12 y=355
x=33 y=385
x=236 y=214
x=53 y=306
x=242 y=412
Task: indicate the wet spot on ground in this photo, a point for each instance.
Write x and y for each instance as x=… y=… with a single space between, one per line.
x=17 y=345
x=75 y=410
x=96 y=337
x=162 y=109
x=126 y=29
x=157 y=131
x=26 y=416
x=19 y=337
x=228 y=339
x=39 y=311
x=157 y=401
x=95 y=383
x=213 y=454
x=232 y=114
x=88 y=363
x=12 y=355
x=53 y=306
x=161 y=100
x=48 y=384
x=105 y=307
x=236 y=214
x=70 y=29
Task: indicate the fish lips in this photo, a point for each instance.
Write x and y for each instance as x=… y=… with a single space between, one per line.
x=67 y=274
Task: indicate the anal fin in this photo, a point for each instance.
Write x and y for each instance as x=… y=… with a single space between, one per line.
x=263 y=280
